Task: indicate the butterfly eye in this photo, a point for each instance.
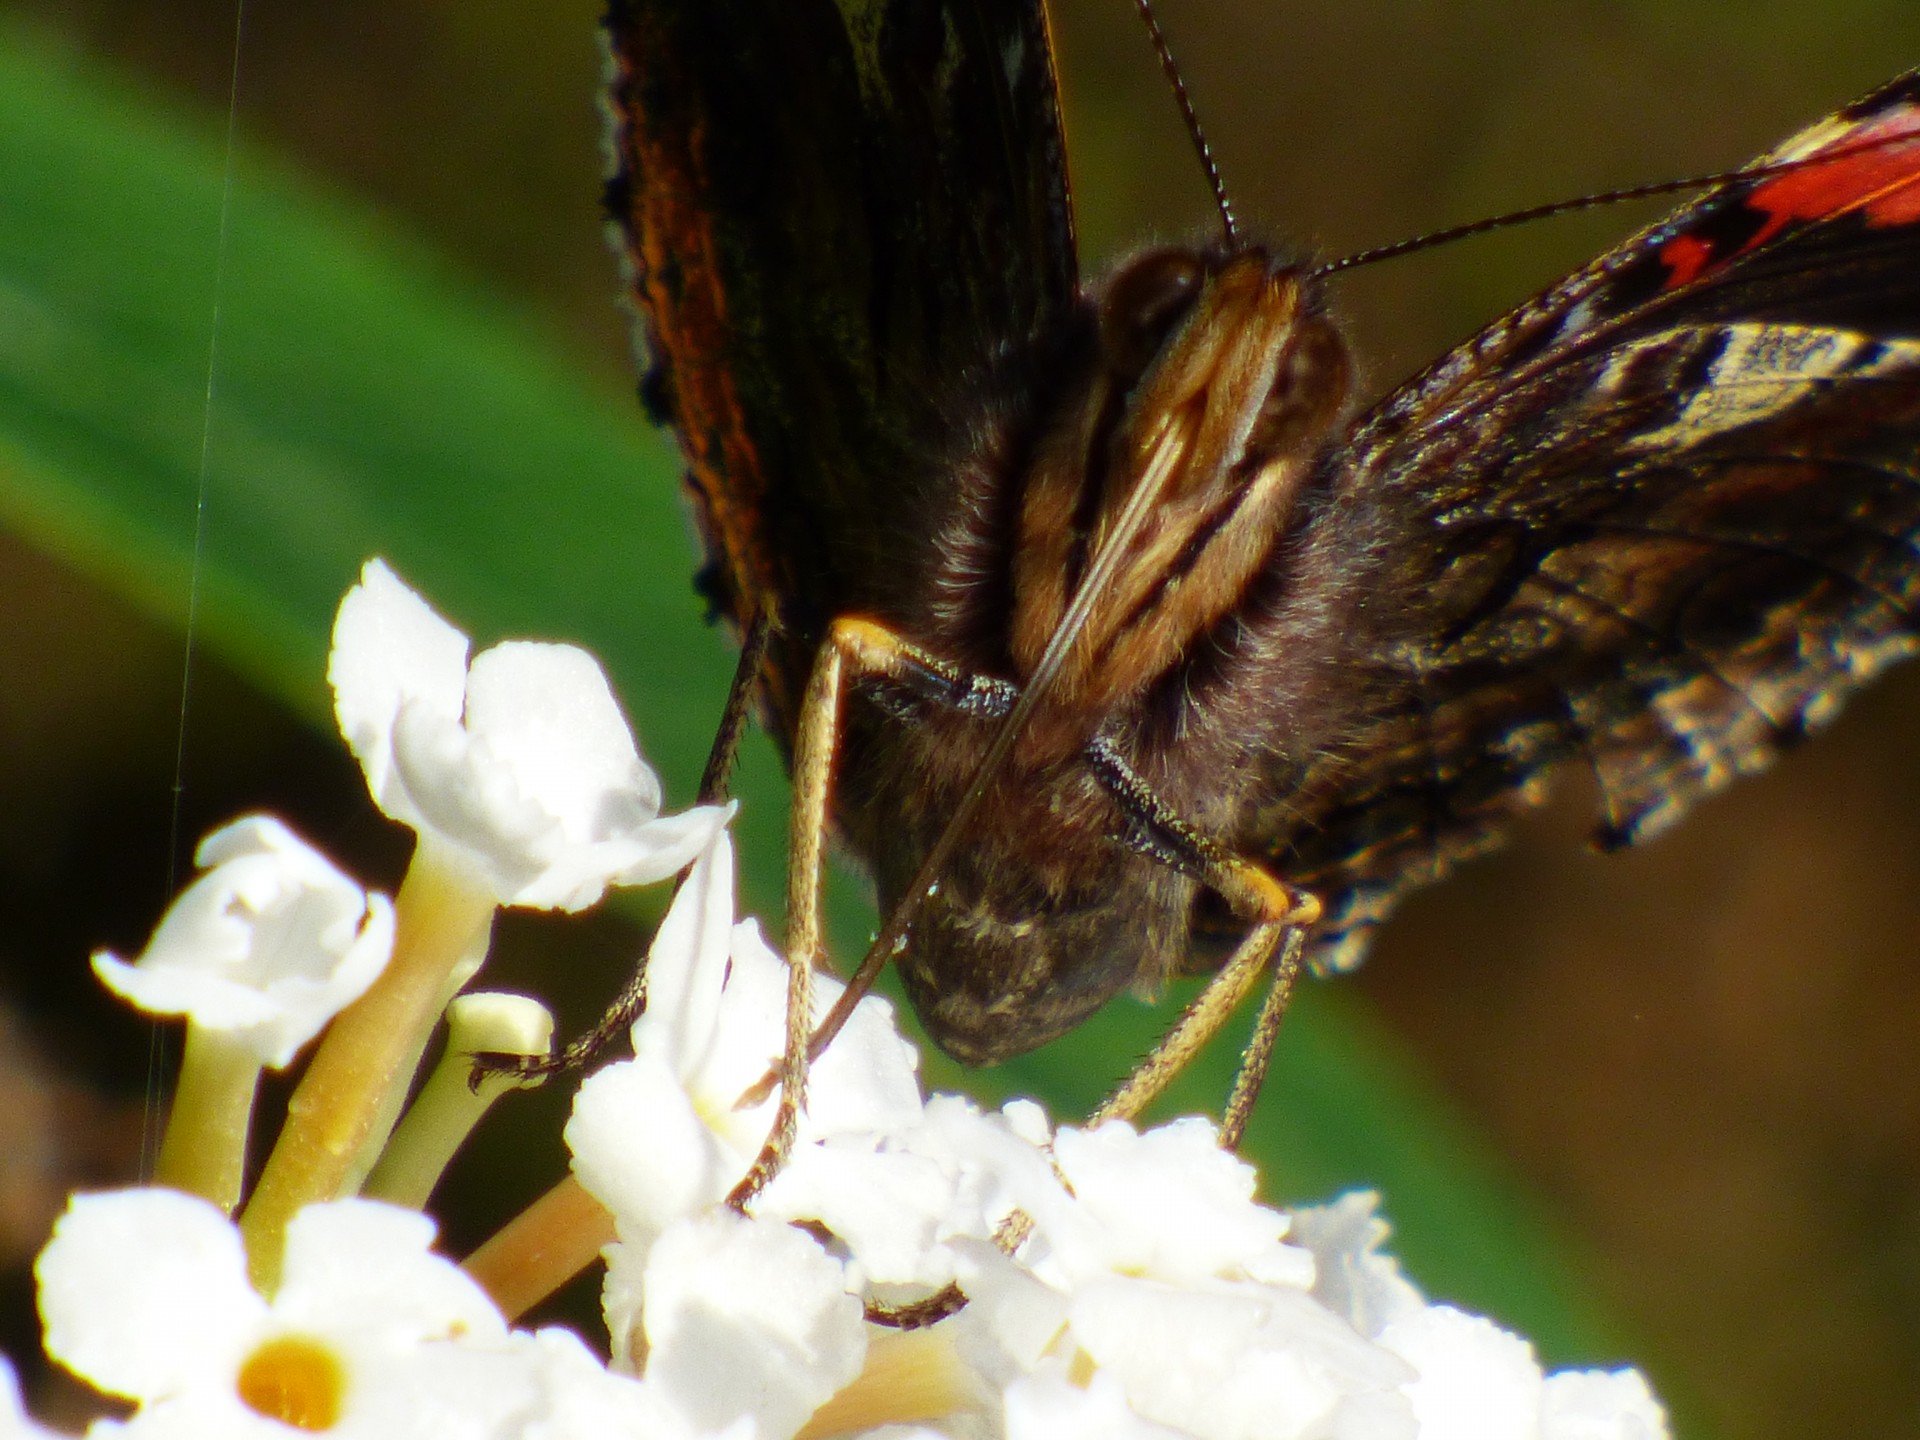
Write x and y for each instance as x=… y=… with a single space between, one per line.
x=1309 y=389
x=1142 y=305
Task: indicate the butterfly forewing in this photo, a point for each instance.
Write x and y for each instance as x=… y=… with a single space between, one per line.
x=835 y=212
x=1657 y=522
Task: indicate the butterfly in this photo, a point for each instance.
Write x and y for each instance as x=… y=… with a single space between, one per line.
x=1115 y=570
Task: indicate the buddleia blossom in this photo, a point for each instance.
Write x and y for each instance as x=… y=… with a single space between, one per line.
x=1150 y=1287
x=1104 y=1282
x=267 y=946
x=517 y=768
x=369 y=1334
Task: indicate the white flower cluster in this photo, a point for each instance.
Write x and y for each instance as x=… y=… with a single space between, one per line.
x=1150 y=1296
x=1117 y=1283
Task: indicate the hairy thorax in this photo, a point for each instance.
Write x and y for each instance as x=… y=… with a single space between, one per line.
x=1133 y=549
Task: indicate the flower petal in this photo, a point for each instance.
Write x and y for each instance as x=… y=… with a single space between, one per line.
x=144 y=1293
x=390 y=648
x=520 y=771
x=268 y=945
x=1601 y=1405
x=747 y=1317
x=1167 y=1202
x=1477 y=1382
x=369 y=1267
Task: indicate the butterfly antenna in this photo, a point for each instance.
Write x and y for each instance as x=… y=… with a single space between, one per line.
x=1170 y=67
x=1435 y=238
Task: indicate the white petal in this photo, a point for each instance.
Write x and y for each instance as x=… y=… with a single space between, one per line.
x=268 y=945
x=580 y=1398
x=1012 y=1321
x=144 y=1293
x=748 y=1317
x=669 y=844
x=1601 y=1405
x=199 y=1415
x=522 y=770
x=390 y=649
x=687 y=965
x=1168 y=1202
x=547 y=713
x=1004 y=1162
x=623 y=1298
x=1351 y=1277
x=1049 y=1408
x=577 y=875
x=892 y=1209
x=745 y=1036
x=176 y=990
x=1476 y=1382
x=869 y=1077
x=1235 y=1363
x=897 y=1196
x=358 y=1266
x=468 y=805
x=642 y=1150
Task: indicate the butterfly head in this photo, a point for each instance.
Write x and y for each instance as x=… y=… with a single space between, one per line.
x=1164 y=480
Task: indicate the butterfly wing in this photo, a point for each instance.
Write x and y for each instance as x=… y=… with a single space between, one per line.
x=1658 y=522
x=830 y=210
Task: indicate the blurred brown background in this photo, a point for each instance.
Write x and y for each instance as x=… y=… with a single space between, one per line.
x=1702 y=1056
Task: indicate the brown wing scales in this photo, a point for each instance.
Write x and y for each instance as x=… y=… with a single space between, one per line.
x=818 y=253
x=1671 y=613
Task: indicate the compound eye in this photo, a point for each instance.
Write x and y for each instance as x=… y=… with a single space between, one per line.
x=1142 y=305
x=1309 y=391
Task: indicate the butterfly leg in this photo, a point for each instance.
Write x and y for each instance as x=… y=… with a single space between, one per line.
x=1289 y=915
x=1280 y=918
x=854 y=651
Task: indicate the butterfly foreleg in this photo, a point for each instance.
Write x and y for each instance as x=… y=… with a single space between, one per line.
x=855 y=651
x=1279 y=918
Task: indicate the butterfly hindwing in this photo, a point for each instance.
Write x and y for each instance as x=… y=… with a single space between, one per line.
x=1658 y=522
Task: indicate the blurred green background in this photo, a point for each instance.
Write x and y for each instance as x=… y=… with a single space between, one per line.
x=1662 y=1108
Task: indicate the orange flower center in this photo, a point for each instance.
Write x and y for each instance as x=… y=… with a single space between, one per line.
x=295 y=1380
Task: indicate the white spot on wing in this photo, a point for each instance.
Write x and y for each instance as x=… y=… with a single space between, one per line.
x=1763 y=371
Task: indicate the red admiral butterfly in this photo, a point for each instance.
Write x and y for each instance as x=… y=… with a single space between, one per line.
x=1199 y=659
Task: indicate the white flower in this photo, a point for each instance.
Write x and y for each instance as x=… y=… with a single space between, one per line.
x=1234 y=1360
x=657 y=1138
x=1601 y=1405
x=1476 y=1382
x=1148 y=1294
x=145 y=1294
x=1053 y=1408
x=1153 y=1273
x=1167 y=1203
x=1350 y=1275
x=747 y=1317
x=267 y=946
x=1154 y=1296
x=1208 y=1326
x=901 y=1198
x=520 y=769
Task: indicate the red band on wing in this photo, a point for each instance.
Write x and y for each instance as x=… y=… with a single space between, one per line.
x=1877 y=175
